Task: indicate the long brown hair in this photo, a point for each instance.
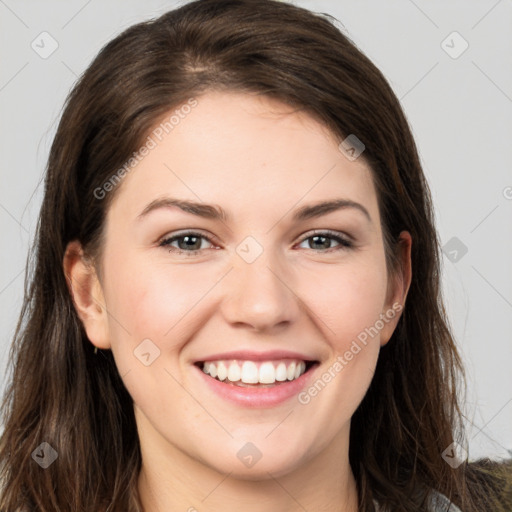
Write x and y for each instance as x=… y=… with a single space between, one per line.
x=63 y=394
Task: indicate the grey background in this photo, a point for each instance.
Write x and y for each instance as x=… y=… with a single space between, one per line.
x=460 y=110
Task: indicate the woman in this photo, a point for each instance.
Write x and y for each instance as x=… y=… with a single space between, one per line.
x=236 y=297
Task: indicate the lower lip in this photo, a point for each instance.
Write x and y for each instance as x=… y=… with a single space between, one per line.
x=256 y=396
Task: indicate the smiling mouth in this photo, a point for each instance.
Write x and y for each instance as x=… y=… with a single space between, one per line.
x=256 y=373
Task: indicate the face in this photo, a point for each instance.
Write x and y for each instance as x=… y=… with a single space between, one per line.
x=273 y=288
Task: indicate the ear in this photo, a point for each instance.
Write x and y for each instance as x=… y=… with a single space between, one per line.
x=398 y=287
x=87 y=294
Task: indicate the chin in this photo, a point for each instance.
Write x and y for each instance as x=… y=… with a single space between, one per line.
x=249 y=464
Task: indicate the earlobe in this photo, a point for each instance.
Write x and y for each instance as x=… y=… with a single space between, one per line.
x=399 y=289
x=87 y=294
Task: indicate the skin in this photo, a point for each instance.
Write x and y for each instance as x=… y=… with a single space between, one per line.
x=259 y=161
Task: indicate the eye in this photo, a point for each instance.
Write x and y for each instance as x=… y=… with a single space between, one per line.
x=188 y=242
x=323 y=240
x=191 y=242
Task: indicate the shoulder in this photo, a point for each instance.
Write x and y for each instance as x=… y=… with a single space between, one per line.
x=437 y=503
x=440 y=503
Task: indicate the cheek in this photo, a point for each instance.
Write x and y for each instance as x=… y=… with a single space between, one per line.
x=350 y=302
x=153 y=300
x=351 y=310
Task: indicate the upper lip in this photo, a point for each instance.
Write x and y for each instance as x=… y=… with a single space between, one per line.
x=250 y=355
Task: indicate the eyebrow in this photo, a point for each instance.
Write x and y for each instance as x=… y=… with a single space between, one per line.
x=215 y=212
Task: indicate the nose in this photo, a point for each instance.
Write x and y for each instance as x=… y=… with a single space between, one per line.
x=260 y=295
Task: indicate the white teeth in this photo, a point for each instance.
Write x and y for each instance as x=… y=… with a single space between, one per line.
x=234 y=372
x=250 y=372
x=281 y=372
x=222 y=371
x=267 y=373
x=291 y=371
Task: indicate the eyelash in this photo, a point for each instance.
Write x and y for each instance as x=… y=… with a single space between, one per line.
x=344 y=243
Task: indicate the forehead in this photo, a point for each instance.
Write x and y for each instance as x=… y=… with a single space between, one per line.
x=243 y=151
